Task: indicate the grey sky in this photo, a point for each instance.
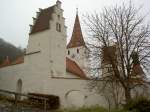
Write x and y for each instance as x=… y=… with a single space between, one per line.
x=16 y=15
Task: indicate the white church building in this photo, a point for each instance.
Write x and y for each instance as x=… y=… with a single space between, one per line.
x=49 y=66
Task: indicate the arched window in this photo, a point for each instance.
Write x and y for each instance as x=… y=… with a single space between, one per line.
x=77 y=50
x=19 y=88
x=58 y=27
x=68 y=52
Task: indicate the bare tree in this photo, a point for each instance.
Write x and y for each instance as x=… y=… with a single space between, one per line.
x=118 y=41
x=110 y=90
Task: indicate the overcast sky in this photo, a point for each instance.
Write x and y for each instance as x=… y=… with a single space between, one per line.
x=16 y=15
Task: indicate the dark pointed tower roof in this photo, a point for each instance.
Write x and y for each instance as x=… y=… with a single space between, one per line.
x=77 y=37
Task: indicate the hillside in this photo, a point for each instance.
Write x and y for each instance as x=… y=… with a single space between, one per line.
x=7 y=49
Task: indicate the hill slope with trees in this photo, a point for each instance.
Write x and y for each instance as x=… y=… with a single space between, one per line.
x=8 y=49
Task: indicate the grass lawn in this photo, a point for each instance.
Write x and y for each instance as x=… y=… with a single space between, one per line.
x=90 y=109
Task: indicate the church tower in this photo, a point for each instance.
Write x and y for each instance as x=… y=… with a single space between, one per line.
x=47 y=42
x=76 y=47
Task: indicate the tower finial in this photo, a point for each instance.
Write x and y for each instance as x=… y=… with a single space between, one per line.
x=77 y=11
x=58 y=3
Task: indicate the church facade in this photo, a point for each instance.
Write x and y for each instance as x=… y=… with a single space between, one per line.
x=49 y=66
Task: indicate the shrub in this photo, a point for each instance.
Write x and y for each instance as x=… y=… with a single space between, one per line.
x=139 y=104
x=119 y=110
x=6 y=98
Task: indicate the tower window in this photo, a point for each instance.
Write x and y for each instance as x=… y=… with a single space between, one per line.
x=77 y=50
x=58 y=17
x=68 y=52
x=58 y=27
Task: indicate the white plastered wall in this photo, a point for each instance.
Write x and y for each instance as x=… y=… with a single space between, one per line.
x=75 y=89
x=80 y=58
x=38 y=82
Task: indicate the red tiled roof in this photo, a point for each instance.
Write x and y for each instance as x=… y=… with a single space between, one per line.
x=19 y=60
x=42 y=21
x=137 y=70
x=77 y=38
x=72 y=67
x=7 y=62
x=137 y=74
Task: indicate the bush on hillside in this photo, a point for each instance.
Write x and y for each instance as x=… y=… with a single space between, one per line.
x=8 y=49
x=139 y=104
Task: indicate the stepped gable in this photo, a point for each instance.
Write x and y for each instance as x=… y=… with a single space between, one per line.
x=77 y=37
x=42 y=20
x=72 y=67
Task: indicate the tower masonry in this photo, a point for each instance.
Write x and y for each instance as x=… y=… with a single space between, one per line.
x=47 y=40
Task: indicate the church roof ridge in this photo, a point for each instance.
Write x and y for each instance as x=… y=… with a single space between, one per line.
x=77 y=37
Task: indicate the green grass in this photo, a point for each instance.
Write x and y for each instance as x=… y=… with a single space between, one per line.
x=90 y=109
x=119 y=110
x=87 y=109
x=84 y=109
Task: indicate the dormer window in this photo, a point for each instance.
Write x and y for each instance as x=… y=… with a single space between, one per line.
x=58 y=27
x=68 y=52
x=77 y=50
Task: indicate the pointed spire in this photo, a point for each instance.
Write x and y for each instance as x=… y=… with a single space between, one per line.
x=77 y=37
